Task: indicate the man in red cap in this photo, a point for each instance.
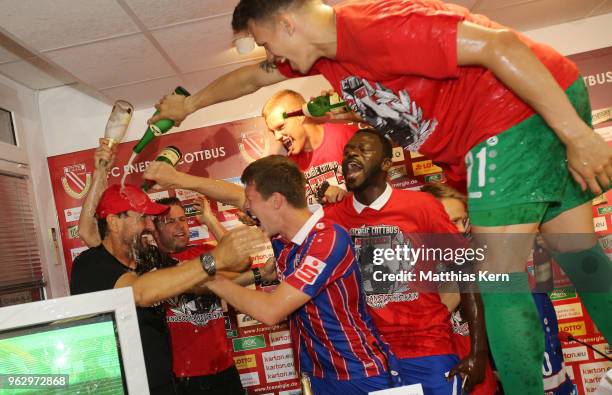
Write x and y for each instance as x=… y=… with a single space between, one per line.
x=123 y=218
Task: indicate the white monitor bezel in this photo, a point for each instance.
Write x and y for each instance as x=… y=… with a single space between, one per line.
x=119 y=301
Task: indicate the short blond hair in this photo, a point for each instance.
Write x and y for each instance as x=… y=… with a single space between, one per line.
x=442 y=191
x=279 y=96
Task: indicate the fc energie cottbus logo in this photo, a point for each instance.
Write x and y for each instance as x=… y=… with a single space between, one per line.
x=76 y=180
x=253 y=145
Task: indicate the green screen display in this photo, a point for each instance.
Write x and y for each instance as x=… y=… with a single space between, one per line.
x=86 y=350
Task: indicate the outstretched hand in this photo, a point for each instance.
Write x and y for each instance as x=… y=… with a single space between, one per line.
x=174 y=107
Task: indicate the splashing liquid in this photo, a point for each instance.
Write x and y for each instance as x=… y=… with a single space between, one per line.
x=127 y=169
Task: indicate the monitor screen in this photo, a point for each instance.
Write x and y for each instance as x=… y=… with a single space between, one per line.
x=84 y=349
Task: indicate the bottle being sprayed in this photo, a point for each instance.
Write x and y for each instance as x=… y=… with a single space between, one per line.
x=118 y=122
x=319 y=106
x=158 y=128
x=170 y=155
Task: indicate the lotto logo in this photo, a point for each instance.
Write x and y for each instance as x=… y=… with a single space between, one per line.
x=245 y=361
x=576 y=328
x=310 y=269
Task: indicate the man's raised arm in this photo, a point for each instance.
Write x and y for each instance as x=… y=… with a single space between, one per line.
x=230 y=86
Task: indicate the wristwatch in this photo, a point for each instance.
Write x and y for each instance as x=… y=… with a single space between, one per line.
x=208 y=264
x=257 y=276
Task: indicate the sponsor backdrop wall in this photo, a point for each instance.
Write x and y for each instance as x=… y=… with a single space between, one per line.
x=263 y=354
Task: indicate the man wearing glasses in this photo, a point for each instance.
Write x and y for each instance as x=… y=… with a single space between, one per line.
x=201 y=353
x=123 y=218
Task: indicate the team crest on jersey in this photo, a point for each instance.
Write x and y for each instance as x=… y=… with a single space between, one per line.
x=253 y=145
x=398 y=117
x=76 y=180
x=310 y=270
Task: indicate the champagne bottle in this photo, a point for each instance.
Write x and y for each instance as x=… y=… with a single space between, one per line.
x=318 y=106
x=159 y=127
x=170 y=155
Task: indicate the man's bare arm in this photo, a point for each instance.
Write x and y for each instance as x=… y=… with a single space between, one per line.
x=166 y=176
x=267 y=307
x=230 y=86
x=88 y=226
x=513 y=63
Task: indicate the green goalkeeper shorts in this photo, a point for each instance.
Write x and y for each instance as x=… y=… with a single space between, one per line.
x=520 y=176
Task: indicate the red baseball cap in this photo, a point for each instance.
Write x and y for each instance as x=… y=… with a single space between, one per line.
x=117 y=200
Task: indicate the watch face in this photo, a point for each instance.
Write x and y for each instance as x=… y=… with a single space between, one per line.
x=209 y=264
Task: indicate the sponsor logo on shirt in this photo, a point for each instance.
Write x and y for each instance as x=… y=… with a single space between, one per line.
x=310 y=269
x=249 y=343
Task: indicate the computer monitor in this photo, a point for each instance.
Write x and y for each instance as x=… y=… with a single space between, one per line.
x=81 y=344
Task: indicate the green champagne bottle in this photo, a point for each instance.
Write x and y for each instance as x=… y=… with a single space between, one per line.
x=318 y=106
x=158 y=128
x=170 y=155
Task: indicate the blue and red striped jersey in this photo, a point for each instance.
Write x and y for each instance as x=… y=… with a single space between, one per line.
x=335 y=335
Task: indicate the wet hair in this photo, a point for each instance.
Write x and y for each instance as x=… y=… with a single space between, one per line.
x=442 y=191
x=278 y=96
x=384 y=141
x=170 y=201
x=276 y=173
x=258 y=10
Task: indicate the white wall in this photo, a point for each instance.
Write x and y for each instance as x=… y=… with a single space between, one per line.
x=23 y=102
x=579 y=36
x=74 y=121
x=71 y=121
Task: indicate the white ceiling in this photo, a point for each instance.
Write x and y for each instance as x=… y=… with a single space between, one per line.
x=139 y=50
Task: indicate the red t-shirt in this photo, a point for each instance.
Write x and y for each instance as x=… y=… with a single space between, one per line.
x=396 y=66
x=325 y=162
x=414 y=323
x=200 y=346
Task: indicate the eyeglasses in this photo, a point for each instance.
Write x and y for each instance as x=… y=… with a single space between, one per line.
x=172 y=220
